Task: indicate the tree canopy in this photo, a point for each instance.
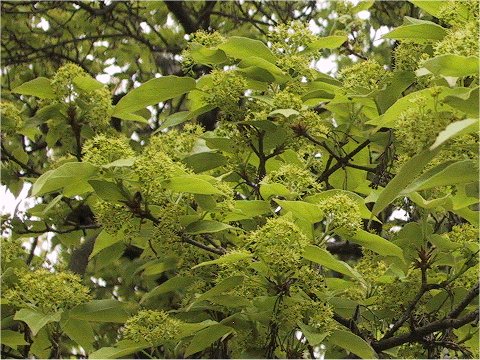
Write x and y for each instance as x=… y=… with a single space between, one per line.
x=202 y=187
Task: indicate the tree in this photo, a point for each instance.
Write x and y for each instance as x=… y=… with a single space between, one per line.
x=222 y=197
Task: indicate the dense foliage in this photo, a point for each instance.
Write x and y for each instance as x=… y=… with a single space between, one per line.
x=222 y=197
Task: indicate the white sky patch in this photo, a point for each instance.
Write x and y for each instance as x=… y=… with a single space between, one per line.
x=9 y=203
x=326 y=65
x=43 y=24
x=364 y=14
x=376 y=35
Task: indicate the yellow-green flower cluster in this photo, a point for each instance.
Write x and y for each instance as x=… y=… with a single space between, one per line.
x=289 y=39
x=458 y=13
x=252 y=285
x=459 y=41
x=321 y=318
x=371 y=267
x=48 y=291
x=225 y=90
x=99 y=105
x=62 y=82
x=202 y=38
x=310 y=280
x=469 y=278
x=166 y=233
x=153 y=167
x=11 y=249
x=366 y=75
x=297 y=180
x=464 y=234
x=279 y=244
x=286 y=99
x=154 y=327
x=112 y=216
x=313 y=123
x=341 y=212
x=177 y=143
x=407 y=56
x=102 y=149
x=10 y=117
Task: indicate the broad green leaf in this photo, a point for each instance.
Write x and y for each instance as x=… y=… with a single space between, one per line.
x=207 y=56
x=183 y=116
x=457 y=128
x=79 y=331
x=466 y=102
x=352 y=343
x=314 y=337
x=373 y=242
x=274 y=189
x=193 y=184
x=120 y=163
x=107 y=310
x=103 y=241
x=172 y=284
x=247 y=209
x=417 y=32
x=152 y=92
x=107 y=190
x=205 y=227
x=405 y=176
x=324 y=258
x=72 y=177
x=35 y=319
x=302 y=210
x=131 y=117
x=121 y=350
x=41 y=346
x=328 y=42
x=244 y=48
x=434 y=7
x=452 y=65
x=457 y=173
x=39 y=87
x=284 y=112
x=205 y=161
x=399 y=82
x=226 y=285
x=206 y=337
x=225 y=259
x=12 y=338
x=250 y=66
x=87 y=83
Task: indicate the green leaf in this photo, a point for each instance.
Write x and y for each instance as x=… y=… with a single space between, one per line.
x=324 y=258
x=417 y=32
x=205 y=161
x=107 y=310
x=103 y=241
x=226 y=285
x=107 y=190
x=206 y=227
x=225 y=259
x=87 y=83
x=79 y=331
x=405 y=176
x=152 y=92
x=193 y=184
x=434 y=7
x=206 y=337
x=12 y=338
x=172 y=284
x=121 y=349
x=302 y=210
x=328 y=42
x=399 y=82
x=373 y=242
x=466 y=102
x=269 y=190
x=120 y=163
x=39 y=87
x=457 y=128
x=207 y=56
x=244 y=48
x=459 y=172
x=131 y=117
x=72 y=177
x=314 y=336
x=452 y=65
x=250 y=67
x=35 y=319
x=284 y=112
x=352 y=343
x=247 y=209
